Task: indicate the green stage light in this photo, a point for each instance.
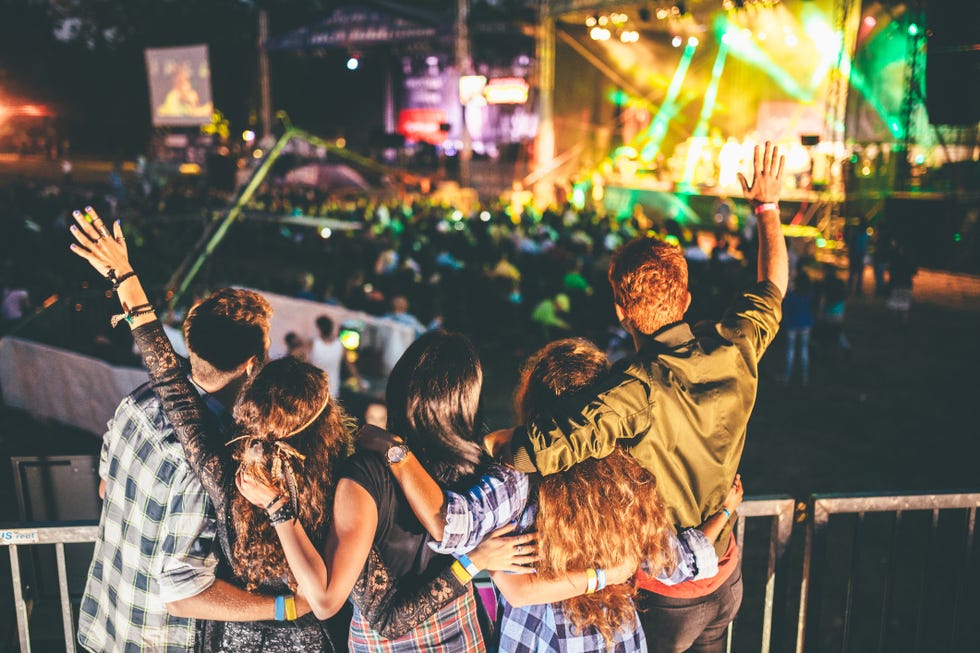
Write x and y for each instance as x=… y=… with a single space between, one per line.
x=913 y=29
x=670 y=107
x=710 y=98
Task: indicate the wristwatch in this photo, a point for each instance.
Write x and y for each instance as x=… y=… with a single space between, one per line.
x=396 y=453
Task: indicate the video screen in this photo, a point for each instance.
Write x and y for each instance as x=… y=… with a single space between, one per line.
x=180 y=86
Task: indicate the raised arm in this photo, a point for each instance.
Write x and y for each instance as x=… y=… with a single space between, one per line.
x=181 y=401
x=456 y=521
x=763 y=195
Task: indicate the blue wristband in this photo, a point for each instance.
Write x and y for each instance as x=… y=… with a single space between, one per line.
x=280 y=608
x=728 y=513
x=471 y=568
x=600 y=579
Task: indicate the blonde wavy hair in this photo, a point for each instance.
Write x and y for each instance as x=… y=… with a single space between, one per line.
x=600 y=512
x=292 y=435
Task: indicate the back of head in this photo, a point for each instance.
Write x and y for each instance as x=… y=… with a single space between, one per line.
x=433 y=399
x=225 y=330
x=649 y=282
x=325 y=326
x=614 y=496
x=292 y=435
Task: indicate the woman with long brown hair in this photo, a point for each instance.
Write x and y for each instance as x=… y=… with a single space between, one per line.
x=292 y=437
x=592 y=517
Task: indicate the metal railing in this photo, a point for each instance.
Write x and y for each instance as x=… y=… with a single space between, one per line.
x=782 y=512
x=821 y=508
x=59 y=536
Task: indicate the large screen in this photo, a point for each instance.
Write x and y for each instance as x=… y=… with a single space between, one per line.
x=180 y=86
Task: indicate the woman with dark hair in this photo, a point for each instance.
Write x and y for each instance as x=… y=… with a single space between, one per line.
x=589 y=520
x=292 y=437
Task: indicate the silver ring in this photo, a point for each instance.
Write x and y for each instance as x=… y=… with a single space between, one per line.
x=520 y=548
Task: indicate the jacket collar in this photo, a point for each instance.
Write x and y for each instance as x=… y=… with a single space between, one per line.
x=667 y=338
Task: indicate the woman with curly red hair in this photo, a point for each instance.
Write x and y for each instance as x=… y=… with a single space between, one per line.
x=589 y=519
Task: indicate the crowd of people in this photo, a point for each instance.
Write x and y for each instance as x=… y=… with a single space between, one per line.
x=241 y=512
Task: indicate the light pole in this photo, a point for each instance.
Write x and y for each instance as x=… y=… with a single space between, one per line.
x=464 y=65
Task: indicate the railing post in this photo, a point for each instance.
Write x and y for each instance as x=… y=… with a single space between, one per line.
x=810 y=586
x=20 y=606
x=66 y=615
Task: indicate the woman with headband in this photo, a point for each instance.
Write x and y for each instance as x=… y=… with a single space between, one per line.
x=291 y=438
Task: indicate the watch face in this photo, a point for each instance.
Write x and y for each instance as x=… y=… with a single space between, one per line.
x=397 y=453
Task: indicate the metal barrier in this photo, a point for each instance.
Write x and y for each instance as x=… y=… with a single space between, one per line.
x=821 y=507
x=15 y=538
x=780 y=510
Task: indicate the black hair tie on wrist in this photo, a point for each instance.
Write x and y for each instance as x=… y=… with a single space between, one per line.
x=117 y=281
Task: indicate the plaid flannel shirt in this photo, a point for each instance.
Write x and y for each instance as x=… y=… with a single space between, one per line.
x=156 y=535
x=501 y=497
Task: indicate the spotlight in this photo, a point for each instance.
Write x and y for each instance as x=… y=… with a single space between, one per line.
x=591 y=21
x=676 y=41
x=693 y=41
x=870 y=21
x=353 y=63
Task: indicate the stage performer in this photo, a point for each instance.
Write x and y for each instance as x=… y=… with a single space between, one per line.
x=598 y=517
x=679 y=406
x=290 y=438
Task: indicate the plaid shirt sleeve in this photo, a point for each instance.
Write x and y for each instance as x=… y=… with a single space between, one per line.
x=104 y=453
x=497 y=499
x=187 y=562
x=696 y=558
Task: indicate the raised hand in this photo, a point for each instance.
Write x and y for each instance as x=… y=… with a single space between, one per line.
x=767 y=176
x=103 y=251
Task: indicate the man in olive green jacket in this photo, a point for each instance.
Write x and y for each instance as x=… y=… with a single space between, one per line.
x=679 y=406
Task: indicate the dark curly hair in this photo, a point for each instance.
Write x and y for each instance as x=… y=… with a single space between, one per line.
x=290 y=432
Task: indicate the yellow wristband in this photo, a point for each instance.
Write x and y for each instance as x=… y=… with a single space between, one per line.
x=593 y=581
x=290 y=608
x=460 y=572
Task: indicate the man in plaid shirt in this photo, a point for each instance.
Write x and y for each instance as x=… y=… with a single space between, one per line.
x=153 y=571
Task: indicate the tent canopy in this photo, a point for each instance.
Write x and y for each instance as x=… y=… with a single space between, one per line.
x=370 y=24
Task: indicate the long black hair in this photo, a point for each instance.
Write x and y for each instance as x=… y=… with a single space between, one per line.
x=433 y=398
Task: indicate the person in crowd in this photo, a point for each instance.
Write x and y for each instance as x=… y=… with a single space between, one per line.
x=296 y=346
x=291 y=438
x=901 y=271
x=682 y=401
x=376 y=414
x=547 y=315
x=155 y=512
x=14 y=301
x=399 y=313
x=832 y=302
x=797 y=322
x=582 y=615
x=327 y=353
x=857 y=250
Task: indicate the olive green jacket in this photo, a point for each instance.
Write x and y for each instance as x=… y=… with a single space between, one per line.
x=679 y=406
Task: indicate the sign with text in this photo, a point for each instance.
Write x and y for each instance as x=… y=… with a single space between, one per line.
x=422 y=125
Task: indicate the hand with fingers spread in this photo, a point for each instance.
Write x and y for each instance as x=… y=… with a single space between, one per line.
x=108 y=254
x=105 y=252
x=503 y=552
x=767 y=176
